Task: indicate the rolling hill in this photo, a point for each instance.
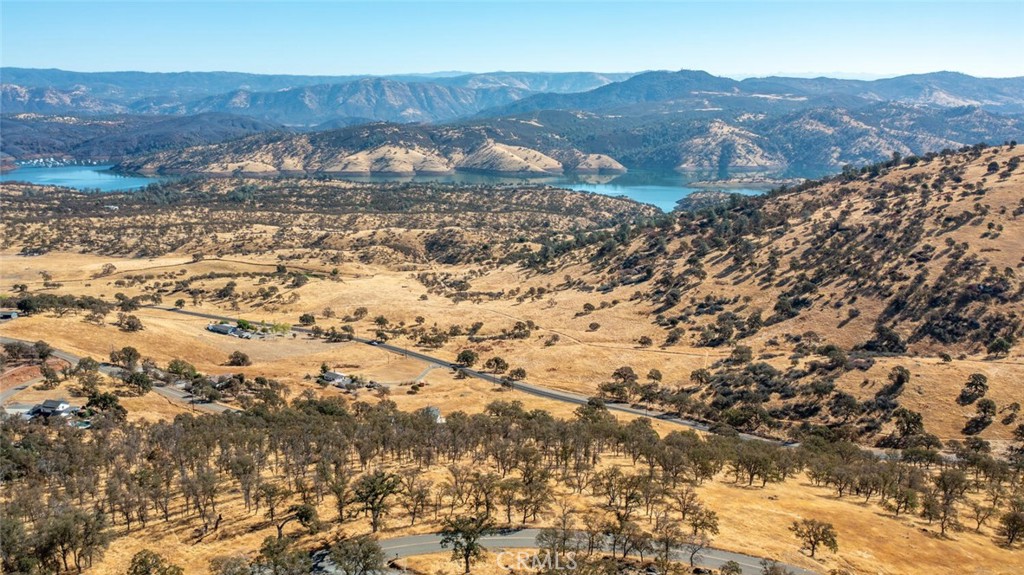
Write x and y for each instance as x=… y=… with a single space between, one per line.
x=688 y=121
x=107 y=138
x=801 y=143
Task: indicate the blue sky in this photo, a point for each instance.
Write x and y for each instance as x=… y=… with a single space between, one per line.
x=731 y=38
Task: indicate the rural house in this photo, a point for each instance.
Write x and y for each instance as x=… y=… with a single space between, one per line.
x=337 y=378
x=51 y=408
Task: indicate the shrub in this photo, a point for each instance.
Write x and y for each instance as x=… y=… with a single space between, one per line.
x=238 y=358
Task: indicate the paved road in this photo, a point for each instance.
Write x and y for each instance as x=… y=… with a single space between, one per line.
x=536 y=390
x=544 y=392
x=172 y=393
x=8 y=394
x=182 y=396
x=11 y=392
x=527 y=539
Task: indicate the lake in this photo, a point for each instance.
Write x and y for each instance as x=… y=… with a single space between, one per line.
x=656 y=188
x=86 y=178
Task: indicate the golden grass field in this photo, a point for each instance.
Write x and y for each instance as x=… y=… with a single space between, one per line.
x=578 y=362
x=753 y=520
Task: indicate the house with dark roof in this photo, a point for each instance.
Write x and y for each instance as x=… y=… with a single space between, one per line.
x=227 y=329
x=51 y=408
x=222 y=328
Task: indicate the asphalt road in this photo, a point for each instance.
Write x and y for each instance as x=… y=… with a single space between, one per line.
x=172 y=393
x=10 y=393
x=527 y=539
x=546 y=393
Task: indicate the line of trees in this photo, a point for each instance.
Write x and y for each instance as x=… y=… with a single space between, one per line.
x=506 y=466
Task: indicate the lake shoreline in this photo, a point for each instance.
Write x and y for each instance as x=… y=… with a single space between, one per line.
x=662 y=190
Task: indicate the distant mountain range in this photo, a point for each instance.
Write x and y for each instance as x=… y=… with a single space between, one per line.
x=372 y=98
x=520 y=123
x=307 y=101
x=292 y=100
x=689 y=91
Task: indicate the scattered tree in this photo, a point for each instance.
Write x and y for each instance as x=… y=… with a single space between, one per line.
x=146 y=562
x=360 y=555
x=814 y=533
x=462 y=535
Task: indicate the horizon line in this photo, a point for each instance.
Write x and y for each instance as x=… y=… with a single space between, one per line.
x=835 y=75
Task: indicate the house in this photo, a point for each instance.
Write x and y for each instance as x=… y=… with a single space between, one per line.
x=228 y=329
x=222 y=328
x=336 y=377
x=51 y=408
x=8 y=314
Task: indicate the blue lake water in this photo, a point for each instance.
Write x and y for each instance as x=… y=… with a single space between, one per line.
x=662 y=196
x=659 y=189
x=86 y=178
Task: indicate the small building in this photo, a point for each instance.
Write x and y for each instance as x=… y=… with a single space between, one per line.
x=337 y=378
x=8 y=314
x=222 y=328
x=52 y=408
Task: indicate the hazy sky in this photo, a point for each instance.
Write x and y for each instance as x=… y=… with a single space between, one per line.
x=727 y=38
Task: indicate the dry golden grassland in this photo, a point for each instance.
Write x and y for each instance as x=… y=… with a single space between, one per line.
x=581 y=359
x=753 y=520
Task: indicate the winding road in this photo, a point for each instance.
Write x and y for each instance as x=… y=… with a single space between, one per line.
x=535 y=390
x=413 y=545
x=176 y=394
x=170 y=392
x=423 y=544
x=553 y=394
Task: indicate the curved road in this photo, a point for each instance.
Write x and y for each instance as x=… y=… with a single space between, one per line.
x=170 y=392
x=553 y=394
x=412 y=545
x=176 y=394
x=546 y=393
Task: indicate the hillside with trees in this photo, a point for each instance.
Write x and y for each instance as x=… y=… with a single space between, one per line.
x=802 y=143
x=506 y=123
x=112 y=138
x=821 y=363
